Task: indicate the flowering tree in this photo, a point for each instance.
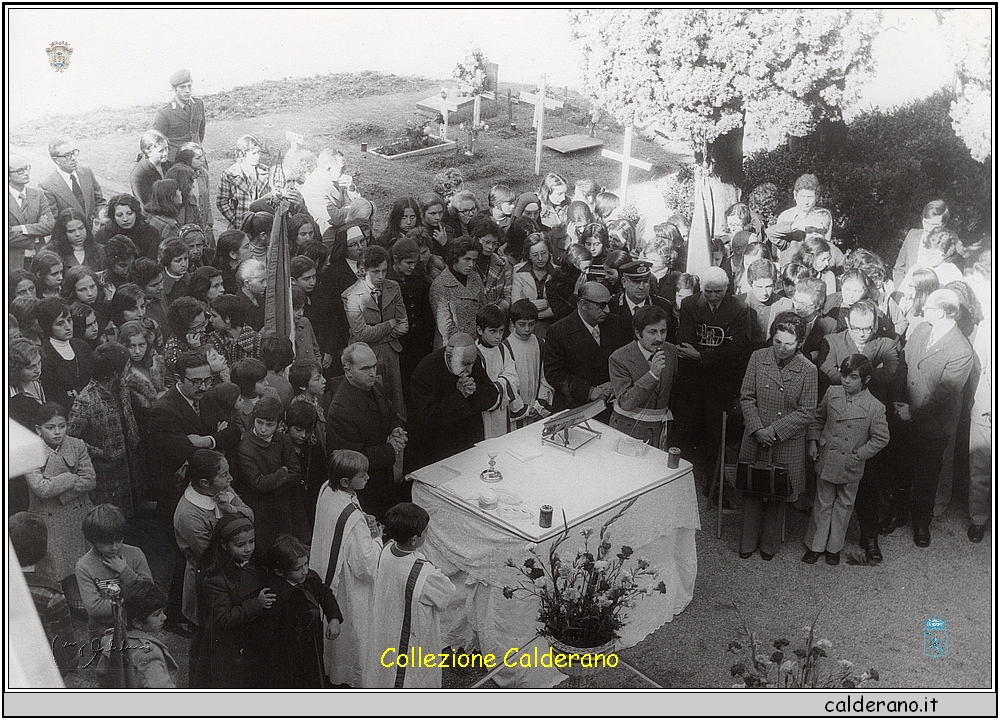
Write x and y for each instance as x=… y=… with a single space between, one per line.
x=969 y=41
x=697 y=74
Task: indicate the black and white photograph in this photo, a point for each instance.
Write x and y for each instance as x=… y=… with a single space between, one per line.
x=574 y=355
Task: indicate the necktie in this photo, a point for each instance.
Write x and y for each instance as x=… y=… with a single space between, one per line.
x=22 y=198
x=196 y=406
x=596 y=332
x=77 y=191
x=377 y=297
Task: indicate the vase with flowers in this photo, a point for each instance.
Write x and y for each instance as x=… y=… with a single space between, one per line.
x=584 y=598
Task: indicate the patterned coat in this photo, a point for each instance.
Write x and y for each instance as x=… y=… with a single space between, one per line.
x=498 y=282
x=849 y=434
x=237 y=192
x=59 y=495
x=103 y=419
x=785 y=400
x=455 y=305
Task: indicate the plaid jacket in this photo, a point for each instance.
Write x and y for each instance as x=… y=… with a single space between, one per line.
x=498 y=281
x=105 y=422
x=54 y=614
x=247 y=345
x=237 y=192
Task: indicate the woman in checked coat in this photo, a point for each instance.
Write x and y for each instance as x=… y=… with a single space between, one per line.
x=778 y=398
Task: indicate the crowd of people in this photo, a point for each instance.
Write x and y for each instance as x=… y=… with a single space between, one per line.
x=277 y=468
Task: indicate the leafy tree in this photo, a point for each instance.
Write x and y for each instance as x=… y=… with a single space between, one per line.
x=967 y=34
x=696 y=74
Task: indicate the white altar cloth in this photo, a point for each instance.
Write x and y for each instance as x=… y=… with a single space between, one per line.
x=472 y=545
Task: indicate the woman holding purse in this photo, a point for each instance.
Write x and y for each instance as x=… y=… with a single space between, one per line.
x=778 y=398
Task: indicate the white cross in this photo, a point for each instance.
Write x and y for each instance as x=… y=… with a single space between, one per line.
x=446 y=107
x=626 y=162
x=294 y=139
x=540 y=102
x=477 y=100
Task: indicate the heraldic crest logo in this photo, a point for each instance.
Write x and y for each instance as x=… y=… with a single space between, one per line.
x=59 y=54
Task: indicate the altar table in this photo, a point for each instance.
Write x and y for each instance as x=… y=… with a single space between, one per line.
x=471 y=545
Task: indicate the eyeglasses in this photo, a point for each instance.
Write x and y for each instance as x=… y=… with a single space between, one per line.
x=199 y=382
x=861 y=328
x=602 y=305
x=468 y=213
x=357 y=244
x=23 y=169
x=70 y=154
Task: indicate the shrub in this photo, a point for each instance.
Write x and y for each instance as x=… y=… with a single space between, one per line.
x=880 y=171
x=678 y=191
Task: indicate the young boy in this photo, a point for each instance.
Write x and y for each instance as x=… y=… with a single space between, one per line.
x=110 y=560
x=270 y=478
x=763 y=301
x=409 y=591
x=301 y=420
x=230 y=333
x=148 y=275
x=29 y=538
x=491 y=324
x=306 y=344
x=154 y=666
x=526 y=350
x=276 y=353
x=344 y=552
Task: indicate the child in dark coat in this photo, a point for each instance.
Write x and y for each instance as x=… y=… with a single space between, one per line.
x=230 y=646
x=304 y=612
x=271 y=479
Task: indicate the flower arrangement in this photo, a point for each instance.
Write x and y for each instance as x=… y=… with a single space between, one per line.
x=472 y=71
x=584 y=601
x=807 y=666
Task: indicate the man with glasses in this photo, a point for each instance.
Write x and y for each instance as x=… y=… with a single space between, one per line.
x=937 y=361
x=29 y=218
x=859 y=337
x=180 y=424
x=577 y=349
x=71 y=185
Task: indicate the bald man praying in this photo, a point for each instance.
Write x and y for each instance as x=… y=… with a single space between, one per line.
x=449 y=391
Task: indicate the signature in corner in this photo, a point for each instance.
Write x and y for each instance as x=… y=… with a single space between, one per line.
x=96 y=647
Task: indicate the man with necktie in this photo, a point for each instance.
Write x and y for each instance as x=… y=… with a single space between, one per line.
x=29 y=218
x=71 y=185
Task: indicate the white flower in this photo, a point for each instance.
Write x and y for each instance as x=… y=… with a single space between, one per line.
x=788 y=666
x=601 y=565
x=825 y=644
x=530 y=547
x=846 y=664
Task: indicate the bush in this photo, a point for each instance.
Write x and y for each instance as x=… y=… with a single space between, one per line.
x=678 y=191
x=880 y=171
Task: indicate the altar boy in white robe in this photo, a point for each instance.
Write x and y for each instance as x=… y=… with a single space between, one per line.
x=527 y=351
x=344 y=552
x=410 y=594
x=491 y=324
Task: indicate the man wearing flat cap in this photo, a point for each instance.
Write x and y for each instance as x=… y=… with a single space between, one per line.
x=637 y=291
x=449 y=391
x=577 y=349
x=183 y=118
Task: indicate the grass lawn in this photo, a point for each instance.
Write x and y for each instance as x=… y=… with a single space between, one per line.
x=872 y=615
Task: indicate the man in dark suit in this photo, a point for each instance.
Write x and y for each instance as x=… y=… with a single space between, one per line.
x=71 y=185
x=449 y=391
x=577 y=349
x=713 y=342
x=935 y=215
x=361 y=418
x=29 y=218
x=180 y=426
x=936 y=363
x=637 y=292
x=182 y=119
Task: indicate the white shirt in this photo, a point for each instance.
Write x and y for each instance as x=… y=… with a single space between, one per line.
x=595 y=330
x=66 y=177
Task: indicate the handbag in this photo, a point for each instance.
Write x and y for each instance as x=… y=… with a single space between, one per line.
x=764 y=478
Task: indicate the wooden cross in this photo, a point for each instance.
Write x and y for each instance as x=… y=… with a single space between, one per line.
x=446 y=107
x=540 y=102
x=478 y=96
x=626 y=162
